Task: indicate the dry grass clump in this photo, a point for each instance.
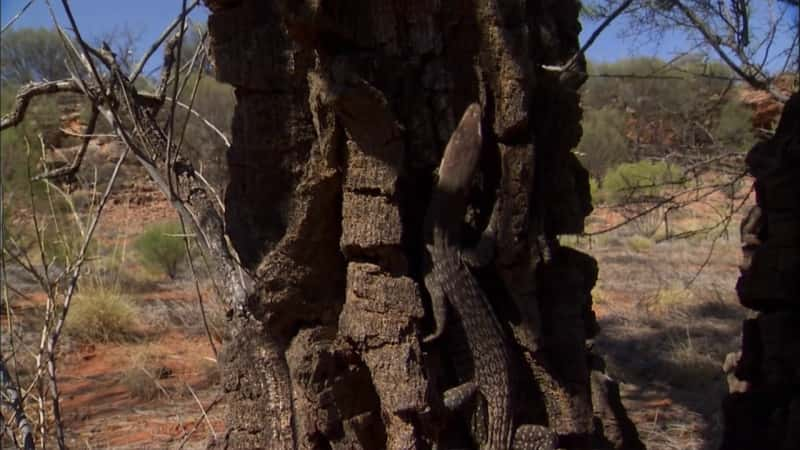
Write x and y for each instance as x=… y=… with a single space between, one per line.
x=140 y=383
x=101 y=314
x=693 y=366
x=141 y=379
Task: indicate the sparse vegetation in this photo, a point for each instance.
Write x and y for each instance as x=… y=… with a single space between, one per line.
x=734 y=131
x=102 y=314
x=161 y=248
x=140 y=383
x=603 y=144
x=639 y=243
x=644 y=178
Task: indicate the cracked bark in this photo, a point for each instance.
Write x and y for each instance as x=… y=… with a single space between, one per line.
x=342 y=113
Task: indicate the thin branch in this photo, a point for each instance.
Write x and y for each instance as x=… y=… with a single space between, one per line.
x=176 y=86
x=205 y=121
x=203 y=410
x=166 y=68
x=76 y=270
x=17 y=16
x=716 y=43
x=68 y=171
x=9 y=393
x=197 y=286
x=571 y=63
x=140 y=65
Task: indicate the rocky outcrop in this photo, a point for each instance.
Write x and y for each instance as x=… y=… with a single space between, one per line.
x=763 y=407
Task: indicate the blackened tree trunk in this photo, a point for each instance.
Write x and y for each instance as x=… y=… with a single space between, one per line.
x=763 y=407
x=343 y=111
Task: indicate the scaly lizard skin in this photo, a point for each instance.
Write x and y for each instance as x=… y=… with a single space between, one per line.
x=450 y=278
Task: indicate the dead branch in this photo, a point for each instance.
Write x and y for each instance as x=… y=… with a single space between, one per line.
x=69 y=171
x=30 y=91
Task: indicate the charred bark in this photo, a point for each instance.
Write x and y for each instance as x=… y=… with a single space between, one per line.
x=343 y=111
x=763 y=407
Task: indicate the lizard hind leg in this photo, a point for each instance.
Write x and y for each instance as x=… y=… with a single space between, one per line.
x=455 y=398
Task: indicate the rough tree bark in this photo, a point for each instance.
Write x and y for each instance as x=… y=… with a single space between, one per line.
x=763 y=407
x=343 y=111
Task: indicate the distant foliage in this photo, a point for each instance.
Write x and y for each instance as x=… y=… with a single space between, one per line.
x=628 y=181
x=735 y=130
x=595 y=191
x=603 y=144
x=215 y=103
x=665 y=109
x=32 y=54
x=43 y=117
x=161 y=248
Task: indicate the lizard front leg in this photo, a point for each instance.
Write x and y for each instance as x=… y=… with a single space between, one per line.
x=438 y=303
x=534 y=437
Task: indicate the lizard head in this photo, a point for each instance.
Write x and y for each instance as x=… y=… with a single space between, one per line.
x=462 y=153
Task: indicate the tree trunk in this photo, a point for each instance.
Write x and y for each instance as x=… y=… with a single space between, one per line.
x=763 y=407
x=343 y=111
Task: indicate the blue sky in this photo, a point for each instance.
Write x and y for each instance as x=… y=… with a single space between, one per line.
x=150 y=17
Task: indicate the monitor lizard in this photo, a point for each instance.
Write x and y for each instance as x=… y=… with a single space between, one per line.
x=449 y=278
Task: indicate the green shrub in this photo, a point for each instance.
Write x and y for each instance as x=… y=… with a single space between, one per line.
x=161 y=248
x=735 y=127
x=15 y=164
x=603 y=143
x=100 y=313
x=639 y=243
x=640 y=179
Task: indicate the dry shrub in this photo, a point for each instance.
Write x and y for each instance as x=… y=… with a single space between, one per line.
x=140 y=384
x=101 y=314
x=673 y=297
x=692 y=366
x=141 y=379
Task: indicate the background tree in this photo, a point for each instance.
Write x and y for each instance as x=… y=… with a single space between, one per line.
x=739 y=33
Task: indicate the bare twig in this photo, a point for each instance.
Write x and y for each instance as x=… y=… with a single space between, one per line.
x=70 y=170
x=203 y=410
x=179 y=20
x=205 y=121
x=76 y=270
x=17 y=16
x=571 y=63
x=9 y=393
x=199 y=421
x=171 y=121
